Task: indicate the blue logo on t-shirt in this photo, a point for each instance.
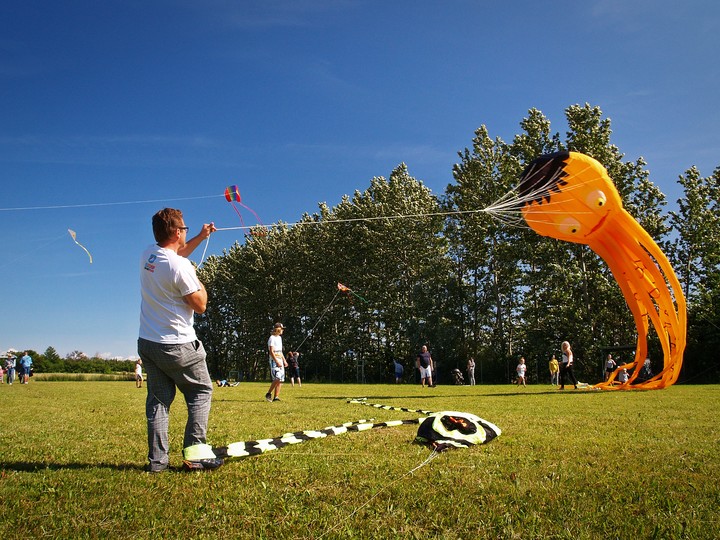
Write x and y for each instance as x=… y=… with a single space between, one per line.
x=149 y=266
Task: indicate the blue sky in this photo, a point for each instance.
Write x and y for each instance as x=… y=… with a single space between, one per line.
x=112 y=110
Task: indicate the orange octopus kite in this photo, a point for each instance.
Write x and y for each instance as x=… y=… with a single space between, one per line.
x=569 y=196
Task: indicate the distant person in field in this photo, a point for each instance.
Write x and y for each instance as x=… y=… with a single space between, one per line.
x=424 y=363
x=173 y=357
x=646 y=371
x=566 y=365
x=623 y=376
x=610 y=366
x=10 y=365
x=26 y=363
x=278 y=363
x=399 y=371
x=471 y=371
x=293 y=359
x=138 y=373
x=521 y=369
x=554 y=367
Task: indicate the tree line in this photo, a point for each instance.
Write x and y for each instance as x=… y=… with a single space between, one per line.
x=75 y=362
x=437 y=270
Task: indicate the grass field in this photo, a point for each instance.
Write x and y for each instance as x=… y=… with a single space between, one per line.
x=572 y=464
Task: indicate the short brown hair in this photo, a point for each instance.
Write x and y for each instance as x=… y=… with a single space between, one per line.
x=165 y=222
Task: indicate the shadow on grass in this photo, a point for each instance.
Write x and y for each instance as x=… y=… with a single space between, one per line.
x=35 y=466
x=367 y=397
x=566 y=392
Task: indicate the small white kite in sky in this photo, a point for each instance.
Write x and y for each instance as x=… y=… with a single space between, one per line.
x=74 y=237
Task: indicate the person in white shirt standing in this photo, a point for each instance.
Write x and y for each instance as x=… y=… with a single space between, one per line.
x=277 y=363
x=521 y=370
x=566 y=365
x=138 y=373
x=173 y=357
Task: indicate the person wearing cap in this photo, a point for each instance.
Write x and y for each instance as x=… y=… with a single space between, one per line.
x=277 y=363
x=10 y=365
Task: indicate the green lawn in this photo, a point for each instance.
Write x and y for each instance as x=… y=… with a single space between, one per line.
x=572 y=464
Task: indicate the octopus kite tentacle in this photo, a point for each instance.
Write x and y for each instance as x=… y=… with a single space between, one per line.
x=569 y=196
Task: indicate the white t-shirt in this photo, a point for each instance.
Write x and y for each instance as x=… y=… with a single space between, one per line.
x=165 y=277
x=274 y=344
x=521 y=368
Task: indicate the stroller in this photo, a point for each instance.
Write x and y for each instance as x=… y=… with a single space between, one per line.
x=457 y=376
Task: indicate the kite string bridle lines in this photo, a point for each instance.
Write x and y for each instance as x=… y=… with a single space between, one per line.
x=428 y=437
x=508 y=204
x=18 y=257
x=94 y=205
x=506 y=209
x=297 y=349
x=382 y=490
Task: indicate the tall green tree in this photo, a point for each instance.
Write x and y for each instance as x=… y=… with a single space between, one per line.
x=484 y=254
x=695 y=253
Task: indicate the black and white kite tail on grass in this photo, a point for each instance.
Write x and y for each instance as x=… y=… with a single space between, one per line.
x=439 y=430
x=254 y=448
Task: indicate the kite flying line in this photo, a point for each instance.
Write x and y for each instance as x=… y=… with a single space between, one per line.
x=358 y=219
x=92 y=205
x=19 y=256
x=440 y=431
x=507 y=210
x=432 y=456
x=340 y=288
x=297 y=349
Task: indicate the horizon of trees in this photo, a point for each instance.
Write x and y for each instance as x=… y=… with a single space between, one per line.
x=439 y=270
x=75 y=362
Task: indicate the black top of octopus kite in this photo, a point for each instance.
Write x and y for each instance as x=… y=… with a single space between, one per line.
x=542 y=177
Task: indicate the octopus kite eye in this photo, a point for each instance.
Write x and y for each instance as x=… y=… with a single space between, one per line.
x=596 y=199
x=569 y=226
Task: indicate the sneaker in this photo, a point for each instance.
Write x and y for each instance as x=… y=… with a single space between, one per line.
x=276 y=399
x=202 y=464
x=268 y=397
